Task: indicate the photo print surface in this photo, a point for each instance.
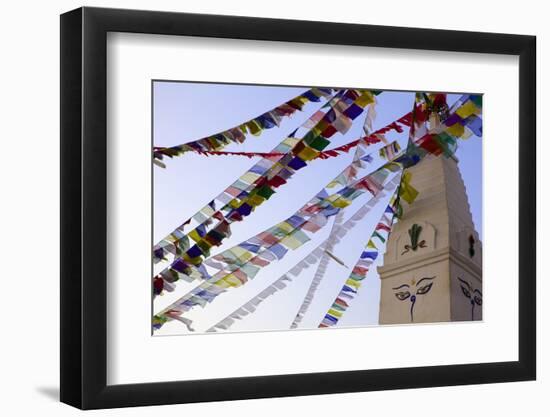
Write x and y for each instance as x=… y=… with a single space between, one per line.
x=287 y=208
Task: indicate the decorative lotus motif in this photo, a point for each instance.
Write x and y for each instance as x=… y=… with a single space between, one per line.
x=414 y=234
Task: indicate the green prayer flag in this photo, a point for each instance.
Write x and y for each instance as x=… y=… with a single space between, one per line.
x=477 y=99
x=447 y=143
x=379 y=236
x=300 y=236
x=265 y=192
x=319 y=143
x=338 y=307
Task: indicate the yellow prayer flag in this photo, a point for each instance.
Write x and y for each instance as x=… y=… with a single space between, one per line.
x=249 y=177
x=241 y=253
x=332 y=198
x=392 y=166
x=467 y=109
x=222 y=283
x=286 y=227
x=365 y=98
x=319 y=127
x=245 y=257
x=341 y=202
x=371 y=245
x=291 y=141
x=255 y=200
x=408 y=193
x=291 y=242
x=204 y=245
x=193 y=234
x=254 y=127
x=232 y=280
x=195 y=261
x=353 y=283
x=406 y=177
x=234 y=203
x=456 y=130
x=307 y=154
x=172 y=238
x=207 y=211
x=335 y=313
x=276 y=168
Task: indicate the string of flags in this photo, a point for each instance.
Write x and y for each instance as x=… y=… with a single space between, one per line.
x=434 y=129
x=259 y=183
x=306 y=218
x=242 y=262
x=178 y=241
x=343 y=179
x=437 y=128
x=193 y=270
x=368 y=140
x=465 y=116
x=253 y=304
x=311 y=217
x=239 y=133
x=432 y=136
x=347 y=175
x=322 y=267
x=371 y=139
x=311 y=259
x=308 y=299
x=351 y=286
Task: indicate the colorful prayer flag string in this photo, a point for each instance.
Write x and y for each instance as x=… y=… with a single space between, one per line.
x=253 y=127
x=440 y=141
x=340 y=231
x=191 y=271
x=268 y=247
x=359 y=272
x=259 y=183
x=306 y=302
x=309 y=217
x=432 y=132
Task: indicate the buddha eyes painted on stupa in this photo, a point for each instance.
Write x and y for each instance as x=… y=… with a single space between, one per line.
x=473 y=294
x=410 y=291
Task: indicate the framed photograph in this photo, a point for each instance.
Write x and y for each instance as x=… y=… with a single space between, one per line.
x=257 y=208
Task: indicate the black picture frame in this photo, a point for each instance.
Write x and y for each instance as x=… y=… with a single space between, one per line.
x=84 y=207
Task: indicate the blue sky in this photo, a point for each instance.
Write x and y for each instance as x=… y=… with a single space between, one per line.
x=184 y=112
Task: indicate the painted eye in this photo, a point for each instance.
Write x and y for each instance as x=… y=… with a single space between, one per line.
x=425 y=289
x=402 y=295
x=466 y=292
x=477 y=299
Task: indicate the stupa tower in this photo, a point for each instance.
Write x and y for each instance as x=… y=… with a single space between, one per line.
x=432 y=265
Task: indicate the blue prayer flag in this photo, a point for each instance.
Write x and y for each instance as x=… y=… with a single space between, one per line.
x=251 y=247
x=295 y=221
x=297 y=163
x=369 y=255
x=346 y=288
x=311 y=97
x=278 y=250
x=330 y=211
x=474 y=124
x=331 y=319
